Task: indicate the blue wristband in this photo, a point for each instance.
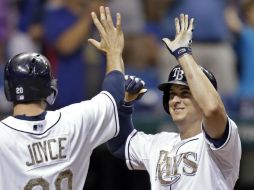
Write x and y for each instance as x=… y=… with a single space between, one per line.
x=181 y=51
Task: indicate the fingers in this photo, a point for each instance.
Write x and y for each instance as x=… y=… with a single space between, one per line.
x=134 y=88
x=128 y=81
x=106 y=19
x=186 y=21
x=105 y=23
x=184 y=24
x=118 y=22
x=102 y=13
x=98 y=24
x=103 y=17
x=191 y=25
x=131 y=84
x=134 y=84
x=108 y=16
x=177 y=25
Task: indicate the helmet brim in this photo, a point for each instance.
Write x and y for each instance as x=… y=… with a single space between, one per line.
x=165 y=86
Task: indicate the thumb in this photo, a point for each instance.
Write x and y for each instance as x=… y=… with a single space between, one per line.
x=142 y=91
x=167 y=42
x=132 y=97
x=95 y=43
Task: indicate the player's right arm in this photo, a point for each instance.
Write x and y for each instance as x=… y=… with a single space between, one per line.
x=206 y=96
x=220 y=131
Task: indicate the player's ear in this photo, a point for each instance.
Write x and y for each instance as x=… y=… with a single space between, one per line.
x=54 y=91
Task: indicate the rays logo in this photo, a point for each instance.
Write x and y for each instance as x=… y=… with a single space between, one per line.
x=178 y=73
x=170 y=168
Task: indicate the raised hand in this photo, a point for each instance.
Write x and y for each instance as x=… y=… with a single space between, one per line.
x=134 y=88
x=183 y=38
x=112 y=38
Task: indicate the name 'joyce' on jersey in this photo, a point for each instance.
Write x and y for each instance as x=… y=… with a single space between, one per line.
x=47 y=151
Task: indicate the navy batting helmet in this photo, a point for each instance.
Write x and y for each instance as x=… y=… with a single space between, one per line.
x=28 y=77
x=177 y=76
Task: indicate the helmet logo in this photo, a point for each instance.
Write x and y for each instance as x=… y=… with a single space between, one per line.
x=178 y=73
x=19 y=93
x=19 y=90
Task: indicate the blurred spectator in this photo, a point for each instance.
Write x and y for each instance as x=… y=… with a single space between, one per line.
x=140 y=57
x=155 y=12
x=4 y=31
x=211 y=47
x=3 y=28
x=132 y=15
x=67 y=25
x=140 y=52
x=243 y=28
x=28 y=30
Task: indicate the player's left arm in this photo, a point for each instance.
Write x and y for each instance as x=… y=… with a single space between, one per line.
x=206 y=96
x=112 y=39
x=112 y=44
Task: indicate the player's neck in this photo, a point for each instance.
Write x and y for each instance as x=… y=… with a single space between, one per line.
x=188 y=131
x=29 y=109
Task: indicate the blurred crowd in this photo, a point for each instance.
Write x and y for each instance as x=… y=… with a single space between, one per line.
x=223 y=42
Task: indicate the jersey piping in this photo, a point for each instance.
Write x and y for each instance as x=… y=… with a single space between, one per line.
x=117 y=127
x=185 y=143
x=134 y=132
x=31 y=132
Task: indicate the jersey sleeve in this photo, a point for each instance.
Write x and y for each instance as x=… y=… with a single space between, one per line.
x=137 y=149
x=228 y=155
x=95 y=120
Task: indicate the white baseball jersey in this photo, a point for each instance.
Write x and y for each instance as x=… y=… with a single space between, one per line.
x=54 y=154
x=189 y=164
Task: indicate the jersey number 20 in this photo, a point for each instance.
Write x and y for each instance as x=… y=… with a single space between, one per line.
x=45 y=185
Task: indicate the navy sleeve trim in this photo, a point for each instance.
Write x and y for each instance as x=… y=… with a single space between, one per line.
x=114 y=84
x=117 y=145
x=219 y=142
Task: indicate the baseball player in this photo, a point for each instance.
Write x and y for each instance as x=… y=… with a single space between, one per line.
x=206 y=152
x=50 y=150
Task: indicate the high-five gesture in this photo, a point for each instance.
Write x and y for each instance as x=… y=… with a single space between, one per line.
x=112 y=39
x=134 y=88
x=181 y=44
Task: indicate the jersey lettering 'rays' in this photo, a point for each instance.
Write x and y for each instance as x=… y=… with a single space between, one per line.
x=170 y=168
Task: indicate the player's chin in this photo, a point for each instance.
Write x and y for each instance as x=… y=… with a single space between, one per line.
x=177 y=116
